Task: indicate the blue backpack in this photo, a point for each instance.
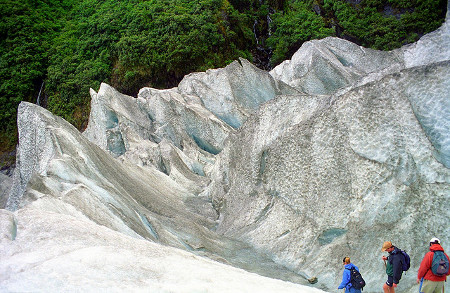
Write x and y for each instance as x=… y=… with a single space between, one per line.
x=439 y=265
x=406 y=263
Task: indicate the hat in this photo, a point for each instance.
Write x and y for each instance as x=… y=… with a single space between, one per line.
x=435 y=240
x=386 y=245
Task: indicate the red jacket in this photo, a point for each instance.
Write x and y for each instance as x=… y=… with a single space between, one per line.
x=425 y=266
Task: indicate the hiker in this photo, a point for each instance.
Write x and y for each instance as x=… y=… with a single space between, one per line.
x=433 y=278
x=393 y=265
x=346 y=277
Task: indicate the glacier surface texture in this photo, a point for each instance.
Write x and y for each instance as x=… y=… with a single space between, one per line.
x=238 y=179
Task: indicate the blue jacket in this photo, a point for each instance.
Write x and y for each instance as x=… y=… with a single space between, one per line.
x=395 y=260
x=346 y=277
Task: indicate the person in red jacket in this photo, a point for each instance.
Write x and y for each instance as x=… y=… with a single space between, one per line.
x=431 y=283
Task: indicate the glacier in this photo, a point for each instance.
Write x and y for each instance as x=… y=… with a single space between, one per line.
x=238 y=179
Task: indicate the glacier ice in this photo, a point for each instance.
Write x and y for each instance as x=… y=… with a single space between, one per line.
x=279 y=173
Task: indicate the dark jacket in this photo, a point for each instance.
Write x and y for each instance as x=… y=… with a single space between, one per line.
x=395 y=260
x=346 y=277
x=425 y=266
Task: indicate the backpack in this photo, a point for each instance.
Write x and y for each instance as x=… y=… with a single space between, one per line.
x=439 y=265
x=356 y=279
x=407 y=261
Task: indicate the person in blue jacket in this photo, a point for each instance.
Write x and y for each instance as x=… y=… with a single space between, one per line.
x=346 y=277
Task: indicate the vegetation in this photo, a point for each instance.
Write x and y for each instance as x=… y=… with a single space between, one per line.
x=385 y=25
x=294 y=26
x=57 y=49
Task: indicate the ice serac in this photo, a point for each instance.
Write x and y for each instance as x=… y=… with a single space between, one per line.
x=327 y=65
x=161 y=129
x=180 y=130
x=60 y=170
x=65 y=174
x=234 y=92
x=432 y=113
x=431 y=48
x=312 y=178
x=343 y=175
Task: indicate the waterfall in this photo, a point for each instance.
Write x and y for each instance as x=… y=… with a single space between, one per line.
x=269 y=21
x=38 y=101
x=254 y=31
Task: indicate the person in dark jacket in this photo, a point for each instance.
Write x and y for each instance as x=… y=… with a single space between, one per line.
x=432 y=283
x=393 y=264
x=346 y=277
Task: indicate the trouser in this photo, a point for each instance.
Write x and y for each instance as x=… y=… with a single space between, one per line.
x=432 y=287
